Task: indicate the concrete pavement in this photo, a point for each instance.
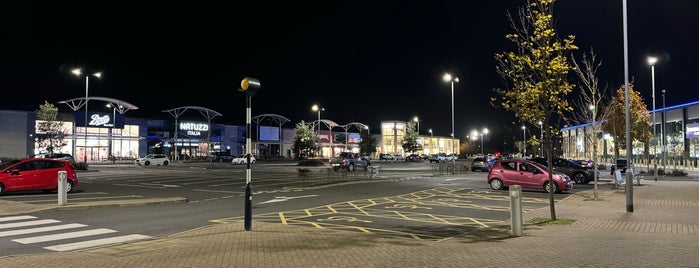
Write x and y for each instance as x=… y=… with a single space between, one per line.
x=661 y=232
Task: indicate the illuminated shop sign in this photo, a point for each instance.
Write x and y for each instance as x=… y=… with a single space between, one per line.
x=101 y=120
x=194 y=129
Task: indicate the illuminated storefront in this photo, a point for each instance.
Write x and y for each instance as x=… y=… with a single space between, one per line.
x=393 y=133
x=676 y=143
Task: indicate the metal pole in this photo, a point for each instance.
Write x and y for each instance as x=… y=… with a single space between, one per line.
x=663 y=144
x=248 y=186
x=629 y=178
x=453 y=134
x=655 y=154
x=482 y=144
x=320 y=147
x=524 y=142
x=87 y=83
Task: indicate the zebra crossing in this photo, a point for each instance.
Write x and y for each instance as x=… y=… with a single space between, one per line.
x=53 y=234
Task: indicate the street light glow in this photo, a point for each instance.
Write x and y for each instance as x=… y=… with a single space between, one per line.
x=652 y=60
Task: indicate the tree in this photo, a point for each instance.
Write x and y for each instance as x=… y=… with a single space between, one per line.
x=589 y=103
x=50 y=135
x=615 y=113
x=410 y=139
x=305 y=141
x=535 y=74
x=367 y=144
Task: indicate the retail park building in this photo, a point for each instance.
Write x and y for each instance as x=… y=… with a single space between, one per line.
x=189 y=132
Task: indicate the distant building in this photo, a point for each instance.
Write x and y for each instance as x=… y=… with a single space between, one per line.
x=676 y=141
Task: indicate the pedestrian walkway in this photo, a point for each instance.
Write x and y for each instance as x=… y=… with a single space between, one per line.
x=661 y=232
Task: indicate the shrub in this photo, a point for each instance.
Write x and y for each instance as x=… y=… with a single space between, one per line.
x=81 y=166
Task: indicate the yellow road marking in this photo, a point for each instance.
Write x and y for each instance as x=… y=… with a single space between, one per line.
x=281 y=216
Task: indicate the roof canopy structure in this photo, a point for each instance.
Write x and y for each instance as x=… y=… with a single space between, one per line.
x=119 y=105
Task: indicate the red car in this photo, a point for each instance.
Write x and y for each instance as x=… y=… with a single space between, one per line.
x=528 y=174
x=36 y=174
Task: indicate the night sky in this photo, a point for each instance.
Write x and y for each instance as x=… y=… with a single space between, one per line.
x=363 y=61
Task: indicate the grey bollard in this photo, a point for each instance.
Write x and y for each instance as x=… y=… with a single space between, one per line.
x=516 y=209
x=62 y=195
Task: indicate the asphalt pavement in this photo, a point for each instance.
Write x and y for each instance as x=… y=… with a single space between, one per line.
x=661 y=231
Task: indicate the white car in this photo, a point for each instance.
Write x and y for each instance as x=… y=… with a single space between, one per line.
x=243 y=160
x=153 y=159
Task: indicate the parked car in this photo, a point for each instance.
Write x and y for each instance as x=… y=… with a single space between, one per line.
x=579 y=173
x=438 y=158
x=386 y=157
x=413 y=158
x=153 y=160
x=242 y=159
x=221 y=157
x=59 y=156
x=36 y=174
x=528 y=174
x=482 y=164
x=349 y=161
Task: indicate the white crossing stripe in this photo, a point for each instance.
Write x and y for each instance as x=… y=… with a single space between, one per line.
x=26 y=223
x=98 y=242
x=46 y=238
x=41 y=229
x=15 y=218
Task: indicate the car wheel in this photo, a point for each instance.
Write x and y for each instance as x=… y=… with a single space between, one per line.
x=69 y=187
x=350 y=167
x=147 y=163
x=2 y=188
x=366 y=167
x=165 y=163
x=579 y=178
x=496 y=184
x=473 y=170
x=548 y=189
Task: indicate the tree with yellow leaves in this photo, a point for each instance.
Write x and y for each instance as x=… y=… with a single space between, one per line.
x=536 y=73
x=639 y=117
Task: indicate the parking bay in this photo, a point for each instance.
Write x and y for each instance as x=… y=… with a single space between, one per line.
x=431 y=214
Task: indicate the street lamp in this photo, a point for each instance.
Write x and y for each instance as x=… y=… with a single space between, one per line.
x=448 y=78
x=652 y=61
x=317 y=108
x=417 y=120
x=484 y=132
x=524 y=140
x=78 y=72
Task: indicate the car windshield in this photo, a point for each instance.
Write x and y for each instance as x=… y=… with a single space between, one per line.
x=545 y=168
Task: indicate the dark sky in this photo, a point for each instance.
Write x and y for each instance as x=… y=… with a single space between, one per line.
x=363 y=61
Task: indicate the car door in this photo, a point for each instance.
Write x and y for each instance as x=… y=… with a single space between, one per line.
x=47 y=174
x=23 y=176
x=527 y=177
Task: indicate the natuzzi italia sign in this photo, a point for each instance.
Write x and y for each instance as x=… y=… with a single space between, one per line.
x=194 y=129
x=96 y=119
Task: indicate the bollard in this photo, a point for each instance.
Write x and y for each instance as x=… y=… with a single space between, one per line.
x=62 y=195
x=516 y=209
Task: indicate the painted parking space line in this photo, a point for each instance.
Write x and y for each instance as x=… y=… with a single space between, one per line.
x=434 y=214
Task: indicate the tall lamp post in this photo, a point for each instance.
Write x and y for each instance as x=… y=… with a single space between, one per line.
x=78 y=72
x=663 y=143
x=431 y=137
x=524 y=142
x=317 y=108
x=652 y=61
x=448 y=78
x=484 y=132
